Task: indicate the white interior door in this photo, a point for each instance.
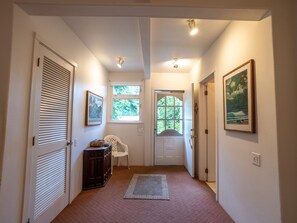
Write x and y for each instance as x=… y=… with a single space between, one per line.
x=51 y=132
x=190 y=134
x=211 y=136
x=169 y=143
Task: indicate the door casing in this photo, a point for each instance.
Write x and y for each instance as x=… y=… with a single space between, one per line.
x=202 y=136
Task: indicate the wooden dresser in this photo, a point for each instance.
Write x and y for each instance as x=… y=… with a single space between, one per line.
x=96 y=166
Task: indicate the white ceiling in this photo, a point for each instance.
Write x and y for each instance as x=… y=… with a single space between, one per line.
x=140 y=31
x=147 y=45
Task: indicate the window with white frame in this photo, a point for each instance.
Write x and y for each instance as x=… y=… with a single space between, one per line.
x=169 y=115
x=126 y=102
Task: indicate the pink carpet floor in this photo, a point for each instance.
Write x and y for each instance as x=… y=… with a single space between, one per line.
x=190 y=201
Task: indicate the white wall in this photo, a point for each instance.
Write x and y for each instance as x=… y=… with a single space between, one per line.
x=89 y=75
x=169 y=81
x=248 y=193
x=131 y=134
x=140 y=143
x=5 y=52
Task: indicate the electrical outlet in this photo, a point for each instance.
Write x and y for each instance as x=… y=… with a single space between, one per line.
x=256 y=159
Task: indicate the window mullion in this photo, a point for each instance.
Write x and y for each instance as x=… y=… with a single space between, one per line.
x=174 y=113
x=126 y=96
x=165 y=106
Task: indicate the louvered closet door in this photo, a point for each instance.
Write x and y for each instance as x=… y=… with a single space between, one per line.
x=52 y=126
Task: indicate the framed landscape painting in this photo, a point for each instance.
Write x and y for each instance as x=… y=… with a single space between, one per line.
x=239 y=108
x=94 y=109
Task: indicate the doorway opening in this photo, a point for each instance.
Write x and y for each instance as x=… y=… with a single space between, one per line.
x=208 y=142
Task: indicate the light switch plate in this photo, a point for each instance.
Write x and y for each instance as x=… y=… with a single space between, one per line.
x=256 y=159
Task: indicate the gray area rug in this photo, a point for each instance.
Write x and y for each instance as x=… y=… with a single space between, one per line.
x=148 y=187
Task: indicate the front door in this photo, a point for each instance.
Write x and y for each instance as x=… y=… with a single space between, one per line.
x=51 y=131
x=169 y=141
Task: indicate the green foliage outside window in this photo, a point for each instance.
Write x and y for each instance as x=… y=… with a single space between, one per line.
x=169 y=114
x=161 y=102
x=126 y=108
x=160 y=126
x=170 y=101
x=126 y=90
x=161 y=112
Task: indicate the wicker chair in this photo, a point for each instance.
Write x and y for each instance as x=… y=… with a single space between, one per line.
x=119 y=149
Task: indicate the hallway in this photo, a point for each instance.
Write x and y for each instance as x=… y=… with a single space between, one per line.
x=190 y=201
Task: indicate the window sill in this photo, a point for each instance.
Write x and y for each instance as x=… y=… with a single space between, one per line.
x=123 y=122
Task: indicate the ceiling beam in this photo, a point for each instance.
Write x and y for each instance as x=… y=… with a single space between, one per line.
x=142 y=11
x=145 y=39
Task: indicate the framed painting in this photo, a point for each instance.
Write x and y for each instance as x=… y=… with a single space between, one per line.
x=94 y=109
x=239 y=105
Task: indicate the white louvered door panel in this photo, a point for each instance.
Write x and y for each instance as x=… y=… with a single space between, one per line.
x=54 y=103
x=52 y=125
x=50 y=180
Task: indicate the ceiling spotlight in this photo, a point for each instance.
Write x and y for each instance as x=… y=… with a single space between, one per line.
x=192 y=26
x=175 y=64
x=120 y=62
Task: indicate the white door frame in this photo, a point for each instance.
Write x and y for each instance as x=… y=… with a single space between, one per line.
x=27 y=184
x=202 y=136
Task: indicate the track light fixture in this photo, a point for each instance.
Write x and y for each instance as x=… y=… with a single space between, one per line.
x=120 y=62
x=175 y=64
x=192 y=26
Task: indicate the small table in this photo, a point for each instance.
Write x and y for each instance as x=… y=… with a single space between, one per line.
x=96 y=166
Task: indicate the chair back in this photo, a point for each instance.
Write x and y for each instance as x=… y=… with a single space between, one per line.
x=113 y=140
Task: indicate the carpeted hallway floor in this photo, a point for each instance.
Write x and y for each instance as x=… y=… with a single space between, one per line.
x=190 y=201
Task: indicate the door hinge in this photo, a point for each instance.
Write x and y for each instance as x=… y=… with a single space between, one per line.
x=206 y=131
x=196 y=108
x=38 y=61
x=205 y=92
x=206 y=170
x=33 y=141
x=28 y=220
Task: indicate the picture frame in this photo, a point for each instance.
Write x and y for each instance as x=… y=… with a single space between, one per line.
x=239 y=99
x=94 y=109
